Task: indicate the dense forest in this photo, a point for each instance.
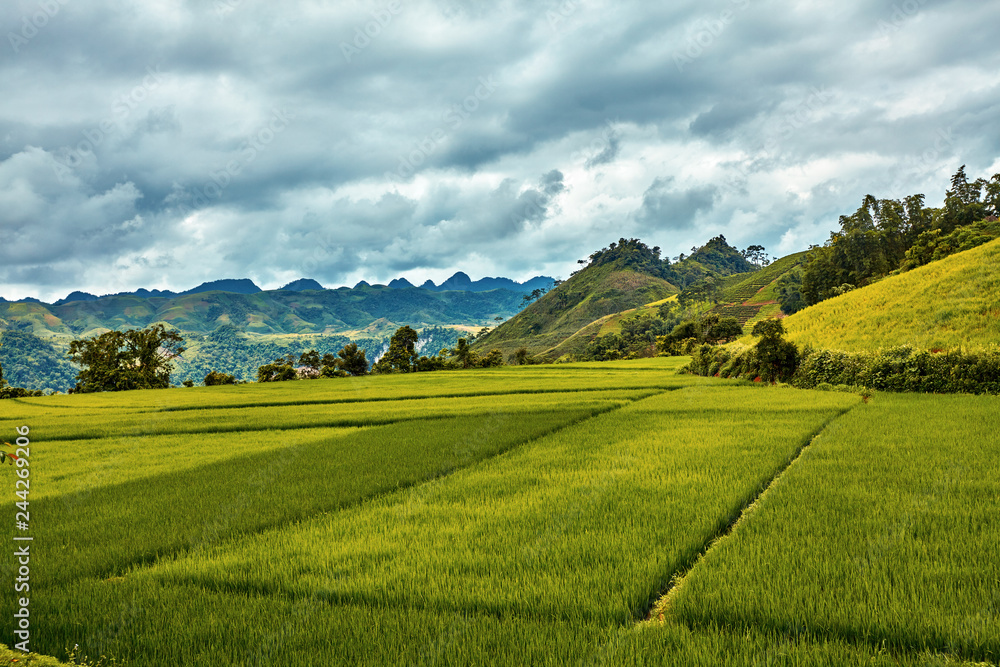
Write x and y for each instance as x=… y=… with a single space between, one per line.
x=232 y=351
x=33 y=363
x=36 y=364
x=713 y=260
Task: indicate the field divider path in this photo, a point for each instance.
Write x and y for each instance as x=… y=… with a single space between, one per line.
x=233 y=525
x=414 y=397
x=201 y=427
x=661 y=608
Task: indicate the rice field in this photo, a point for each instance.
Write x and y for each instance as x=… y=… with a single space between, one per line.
x=906 y=493
x=531 y=515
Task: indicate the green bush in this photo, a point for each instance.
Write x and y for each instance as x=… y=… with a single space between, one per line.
x=898 y=369
x=903 y=369
x=216 y=378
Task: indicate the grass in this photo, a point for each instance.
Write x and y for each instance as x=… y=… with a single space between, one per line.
x=951 y=303
x=758 y=287
x=277 y=478
x=546 y=531
x=905 y=492
x=240 y=419
x=518 y=516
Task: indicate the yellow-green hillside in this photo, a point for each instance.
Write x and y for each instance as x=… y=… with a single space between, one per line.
x=577 y=343
x=954 y=302
x=592 y=294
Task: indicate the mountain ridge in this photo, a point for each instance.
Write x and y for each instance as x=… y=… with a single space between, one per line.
x=460 y=281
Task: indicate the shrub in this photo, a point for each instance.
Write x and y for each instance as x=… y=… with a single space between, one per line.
x=898 y=369
x=215 y=379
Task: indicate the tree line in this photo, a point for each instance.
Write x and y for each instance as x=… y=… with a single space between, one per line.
x=675 y=328
x=899 y=369
x=143 y=359
x=890 y=236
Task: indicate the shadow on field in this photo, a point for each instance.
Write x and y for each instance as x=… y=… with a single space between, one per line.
x=105 y=531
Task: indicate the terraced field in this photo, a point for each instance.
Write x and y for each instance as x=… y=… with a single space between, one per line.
x=743 y=313
x=530 y=515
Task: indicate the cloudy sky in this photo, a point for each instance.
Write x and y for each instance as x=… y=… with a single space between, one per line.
x=164 y=143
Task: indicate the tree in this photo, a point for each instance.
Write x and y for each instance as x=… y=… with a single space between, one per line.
x=962 y=205
x=402 y=354
x=789 y=289
x=492 y=360
x=217 y=378
x=310 y=359
x=520 y=357
x=535 y=295
x=778 y=357
x=466 y=357
x=353 y=361
x=281 y=370
x=755 y=255
x=125 y=360
x=992 y=198
x=723 y=329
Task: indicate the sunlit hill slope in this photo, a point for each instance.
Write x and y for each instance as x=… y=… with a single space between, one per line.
x=950 y=303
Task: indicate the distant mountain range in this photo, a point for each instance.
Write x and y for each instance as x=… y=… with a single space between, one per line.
x=301 y=307
x=460 y=282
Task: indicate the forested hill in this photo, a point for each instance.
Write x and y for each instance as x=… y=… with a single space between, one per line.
x=625 y=275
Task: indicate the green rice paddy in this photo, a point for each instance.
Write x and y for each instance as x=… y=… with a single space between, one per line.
x=566 y=514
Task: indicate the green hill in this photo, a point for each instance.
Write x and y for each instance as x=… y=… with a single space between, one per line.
x=259 y=327
x=953 y=302
x=590 y=295
x=754 y=297
x=758 y=287
x=277 y=312
x=617 y=281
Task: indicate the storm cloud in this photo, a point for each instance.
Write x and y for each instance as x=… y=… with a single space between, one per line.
x=178 y=141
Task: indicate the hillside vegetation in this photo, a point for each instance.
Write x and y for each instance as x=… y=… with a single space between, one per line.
x=624 y=276
x=950 y=303
x=585 y=297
